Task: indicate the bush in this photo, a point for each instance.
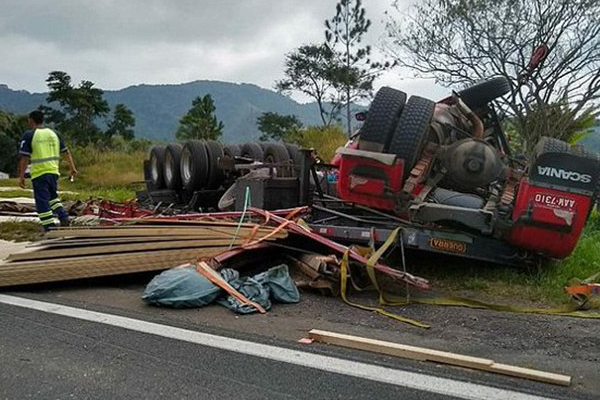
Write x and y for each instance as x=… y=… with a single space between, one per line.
x=324 y=139
x=8 y=154
x=107 y=168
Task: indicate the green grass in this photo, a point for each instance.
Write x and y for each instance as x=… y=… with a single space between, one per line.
x=106 y=174
x=21 y=231
x=15 y=192
x=514 y=285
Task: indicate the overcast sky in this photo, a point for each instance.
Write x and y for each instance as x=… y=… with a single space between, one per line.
x=127 y=42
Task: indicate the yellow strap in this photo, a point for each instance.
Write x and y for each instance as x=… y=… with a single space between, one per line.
x=344 y=273
x=566 y=310
x=386 y=299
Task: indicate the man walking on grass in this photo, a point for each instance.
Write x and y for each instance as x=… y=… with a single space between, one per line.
x=41 y=147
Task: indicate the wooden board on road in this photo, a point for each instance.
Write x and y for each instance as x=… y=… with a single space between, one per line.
x=424 y=354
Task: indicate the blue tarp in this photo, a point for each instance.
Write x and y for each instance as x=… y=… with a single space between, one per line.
x=184 y=287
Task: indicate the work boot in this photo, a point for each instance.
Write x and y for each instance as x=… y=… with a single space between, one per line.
x=65 y=221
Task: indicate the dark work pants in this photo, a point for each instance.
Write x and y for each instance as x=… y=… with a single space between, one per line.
x=46 y=199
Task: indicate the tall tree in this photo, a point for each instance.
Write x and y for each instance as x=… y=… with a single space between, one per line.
x=354 y=72
x=278 y=127
x=79 y=107
x=200 y=121
x=309 y=69
x=121 y=123
x=459 y=42
x=11 y=129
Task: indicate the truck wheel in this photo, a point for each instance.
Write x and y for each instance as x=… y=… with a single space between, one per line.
x=296 y=156
x=382 y=119
x=157 y=162
x=276 y=153
x=194 y=165
x=232 y=150
x=412 y=130
x=252 y=150
x=172 y=160
x=482 y=93
x=215 y=173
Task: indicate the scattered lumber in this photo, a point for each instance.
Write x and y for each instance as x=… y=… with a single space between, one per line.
x=155 y=231
x=84 y=252
x=70 y=242
x=424 y=354
x=94 y=266
x=120 y=248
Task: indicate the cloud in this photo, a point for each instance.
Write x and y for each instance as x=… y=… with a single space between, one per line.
x=120 y=43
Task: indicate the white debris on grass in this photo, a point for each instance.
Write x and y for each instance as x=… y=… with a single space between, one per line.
x=7 y=248
x=19 y=200
x=7 y=188
x=12 y=218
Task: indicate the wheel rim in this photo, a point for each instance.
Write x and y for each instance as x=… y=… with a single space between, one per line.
x=186 y=166
x=168 y=167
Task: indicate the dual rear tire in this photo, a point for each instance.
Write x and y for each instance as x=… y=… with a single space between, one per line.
x=194 y=165
x=401 y=127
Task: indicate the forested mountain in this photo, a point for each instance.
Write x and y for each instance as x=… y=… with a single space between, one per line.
x=158 y=108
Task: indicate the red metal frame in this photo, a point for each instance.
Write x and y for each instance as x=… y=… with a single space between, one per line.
x=295 y=227
x=372 y=191
x=548 y=220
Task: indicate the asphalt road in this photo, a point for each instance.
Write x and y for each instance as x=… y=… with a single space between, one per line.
x=50 y=351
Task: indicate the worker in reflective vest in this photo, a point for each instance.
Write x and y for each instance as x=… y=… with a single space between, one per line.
x=41 y=147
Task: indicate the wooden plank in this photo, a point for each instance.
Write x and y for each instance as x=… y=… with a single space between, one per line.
x=88 y=267
x=61 y=243
x=528 y=373
x=118 y=248
x=398 y=350
x=158 y=228
x=424 y=354
x=162 y=223
x=158 y=232
x=92 y=259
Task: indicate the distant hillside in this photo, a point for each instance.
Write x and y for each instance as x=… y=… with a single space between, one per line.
x=158 y=108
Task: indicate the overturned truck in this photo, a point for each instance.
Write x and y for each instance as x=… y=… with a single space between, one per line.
x=441 y=171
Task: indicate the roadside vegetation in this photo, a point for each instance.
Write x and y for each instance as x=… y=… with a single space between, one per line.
x=21 y=231
x=114 y=175
x=543 y=284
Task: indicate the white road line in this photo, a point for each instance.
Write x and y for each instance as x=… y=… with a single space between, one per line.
x=423 y=382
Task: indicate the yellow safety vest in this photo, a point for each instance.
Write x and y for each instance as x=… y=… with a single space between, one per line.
x=45 y=153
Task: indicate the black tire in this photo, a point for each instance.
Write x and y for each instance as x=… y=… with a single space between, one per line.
x=171 y=172
x=296 y=156
x=252 y=150
x=215 y=173
x=412 y=130
x=194 y=166
x=382 y=118
x=276 y=153
x=232 y=150
x=157 y=163
x=482 y=93
x=551 y=145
